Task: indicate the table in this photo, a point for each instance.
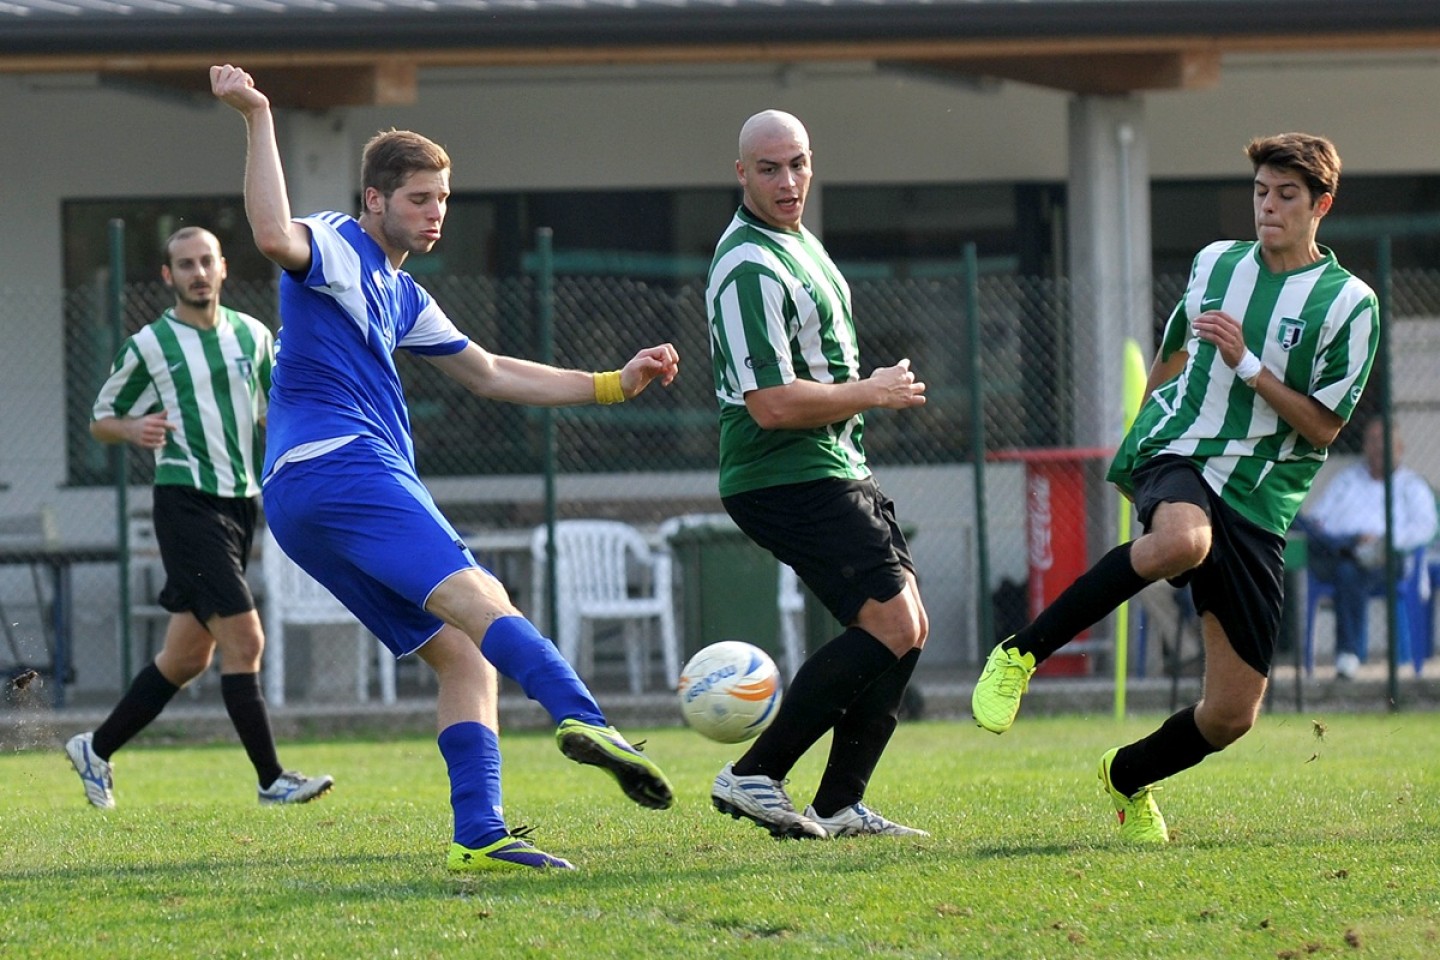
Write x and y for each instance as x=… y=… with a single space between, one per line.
x=58 y=559
x=506 y=554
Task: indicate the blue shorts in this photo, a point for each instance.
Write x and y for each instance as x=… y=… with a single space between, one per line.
x=359 y=520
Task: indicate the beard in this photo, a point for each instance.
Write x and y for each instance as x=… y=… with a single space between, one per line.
x=201 y=302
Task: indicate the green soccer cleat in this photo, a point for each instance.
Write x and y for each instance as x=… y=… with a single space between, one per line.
x=996 y=698
x=510 y=852
x=603 y=747
x=1140 y=819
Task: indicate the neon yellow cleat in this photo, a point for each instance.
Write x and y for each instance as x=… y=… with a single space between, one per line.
x=996 y=698
x=1140 y=819
x=603 y=747
x=510 y=852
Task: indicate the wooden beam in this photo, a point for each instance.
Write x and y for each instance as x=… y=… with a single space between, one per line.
x=932 y=51
x=389 y=82
x=1113 y=73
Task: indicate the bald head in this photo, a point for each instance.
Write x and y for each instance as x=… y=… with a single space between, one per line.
x=774 y=168
x=769 y=124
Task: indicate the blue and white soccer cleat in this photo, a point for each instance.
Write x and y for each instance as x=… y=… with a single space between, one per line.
x=293 y=787
x=95 y=773
x=762 y=801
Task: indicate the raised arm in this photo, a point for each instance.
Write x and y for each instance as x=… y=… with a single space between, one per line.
x=515 y=380
x=804 y=404
x=267 y=206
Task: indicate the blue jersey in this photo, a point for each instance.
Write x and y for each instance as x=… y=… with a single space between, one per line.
x=335 y=377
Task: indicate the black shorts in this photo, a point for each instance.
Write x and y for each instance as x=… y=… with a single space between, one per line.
x=1242 y=580
x=205 y=545
x=840 y=536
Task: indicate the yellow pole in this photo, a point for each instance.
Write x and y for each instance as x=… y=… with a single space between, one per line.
x=1132 y=389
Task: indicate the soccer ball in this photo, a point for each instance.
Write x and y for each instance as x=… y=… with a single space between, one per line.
x=729 y=691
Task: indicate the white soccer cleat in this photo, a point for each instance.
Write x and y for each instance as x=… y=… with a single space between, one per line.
x=858 y=820
x=762 y=801
x=293 y=787
x=95 y=773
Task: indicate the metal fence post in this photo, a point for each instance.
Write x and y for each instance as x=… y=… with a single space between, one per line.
x=985 y=616
x=119 y=453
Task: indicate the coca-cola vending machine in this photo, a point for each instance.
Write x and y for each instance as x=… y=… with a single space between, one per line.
x=1057 y=548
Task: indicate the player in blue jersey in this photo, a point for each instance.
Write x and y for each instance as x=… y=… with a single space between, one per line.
x=341 y=491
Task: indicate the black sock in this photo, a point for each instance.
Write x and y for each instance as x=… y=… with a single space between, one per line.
x=148 y=694
x=241 y=693
x=1092 y=596
x=861 y=736
x=826 y=684
x=1177 y=745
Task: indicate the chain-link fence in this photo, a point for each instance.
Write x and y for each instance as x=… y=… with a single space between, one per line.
x=654 y=458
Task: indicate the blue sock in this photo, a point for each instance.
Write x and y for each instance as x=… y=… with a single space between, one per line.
x=472 y=755
x=519 y=652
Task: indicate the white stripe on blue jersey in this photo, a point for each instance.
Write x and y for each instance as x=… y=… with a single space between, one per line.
x=335 y=375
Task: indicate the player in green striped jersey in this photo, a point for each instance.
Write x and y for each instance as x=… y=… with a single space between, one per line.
x=1260 y=365
x=191 y=387
x=794 y=478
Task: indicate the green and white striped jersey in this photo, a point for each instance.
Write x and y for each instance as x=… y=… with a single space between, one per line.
x=212 y=385
x=1315 y=328
x=779 y=310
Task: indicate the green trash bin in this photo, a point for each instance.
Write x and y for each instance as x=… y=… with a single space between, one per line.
x=727 y=585
x=729 y=588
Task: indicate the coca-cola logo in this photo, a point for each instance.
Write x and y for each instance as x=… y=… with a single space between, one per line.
x=1042 y=556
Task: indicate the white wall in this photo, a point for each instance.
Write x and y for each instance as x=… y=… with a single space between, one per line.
x=662 y=127
x=68 y=137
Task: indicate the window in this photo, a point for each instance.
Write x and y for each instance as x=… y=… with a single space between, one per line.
x=89 y=343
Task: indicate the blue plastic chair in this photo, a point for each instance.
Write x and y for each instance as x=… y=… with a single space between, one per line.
x=1416 y=613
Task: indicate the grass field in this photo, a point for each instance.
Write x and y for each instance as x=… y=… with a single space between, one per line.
x=1287 y=845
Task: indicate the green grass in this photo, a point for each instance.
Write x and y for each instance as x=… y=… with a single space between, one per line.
x=1286 y=845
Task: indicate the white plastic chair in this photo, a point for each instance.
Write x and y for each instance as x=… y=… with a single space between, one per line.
x=147 y=579
x=293 y=596
x=593 y=563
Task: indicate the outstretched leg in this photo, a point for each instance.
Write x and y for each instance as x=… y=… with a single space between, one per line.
x=1178 y=540
x=478 y=605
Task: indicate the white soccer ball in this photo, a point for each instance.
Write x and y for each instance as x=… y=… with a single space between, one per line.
x=729 y=691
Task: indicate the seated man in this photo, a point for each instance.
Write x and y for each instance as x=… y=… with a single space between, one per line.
x=1346 y=532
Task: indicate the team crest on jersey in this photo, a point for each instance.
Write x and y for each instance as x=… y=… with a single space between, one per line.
x=1291 y=328
x=245 y=367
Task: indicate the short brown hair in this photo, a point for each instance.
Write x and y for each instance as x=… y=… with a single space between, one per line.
x=184 y=233
x=1314 y=158
x=392 y=155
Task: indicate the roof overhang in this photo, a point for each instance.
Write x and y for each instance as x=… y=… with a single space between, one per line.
x=326 y=53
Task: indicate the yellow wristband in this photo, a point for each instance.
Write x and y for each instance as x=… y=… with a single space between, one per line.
x=607 y=387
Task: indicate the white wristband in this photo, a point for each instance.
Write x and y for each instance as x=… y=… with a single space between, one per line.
x=1249 y=367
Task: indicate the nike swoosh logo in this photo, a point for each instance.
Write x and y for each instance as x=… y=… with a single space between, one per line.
x=176 y=365
x=1212 y=302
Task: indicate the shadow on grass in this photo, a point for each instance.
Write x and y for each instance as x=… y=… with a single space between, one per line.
x=197 y=875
